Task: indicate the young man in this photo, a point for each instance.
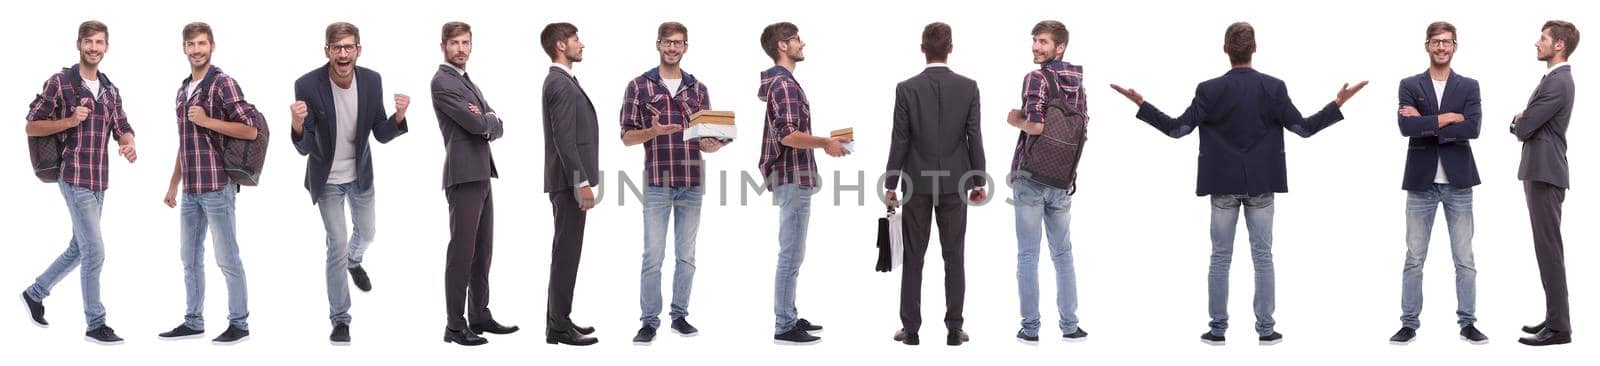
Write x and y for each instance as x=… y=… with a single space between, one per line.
x=790 y=171
x=1241 y=117
x=655 y=110
x=337 y=108
x=1439 y=110
x=571 y=170
x=210 y=108
x=1542 y=128
x=82 y=109
x=937 y=141
x=467 y=123
x=1042 y=209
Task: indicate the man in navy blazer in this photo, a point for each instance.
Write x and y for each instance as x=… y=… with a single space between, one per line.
x=1241 y=117
x=336 y=107
x=1439 y=111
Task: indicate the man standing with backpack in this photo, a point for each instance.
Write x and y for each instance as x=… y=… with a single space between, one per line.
x=80 y=108
x=1243 y=114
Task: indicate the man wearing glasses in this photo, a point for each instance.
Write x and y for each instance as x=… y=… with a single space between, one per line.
x=1439 y=111
x=655 y=110
x=337 y=106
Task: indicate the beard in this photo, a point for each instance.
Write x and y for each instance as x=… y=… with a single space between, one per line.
x=1546 y=56
x=1435 y=61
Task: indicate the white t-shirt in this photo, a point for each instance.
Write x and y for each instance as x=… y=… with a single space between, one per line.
x=672 y=86
x=345 y=108
x=190 y=87
x=93 y=86
x=1438 y=93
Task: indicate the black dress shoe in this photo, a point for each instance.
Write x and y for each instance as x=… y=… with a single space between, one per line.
x=1547 y=337
x=571 y=337
x=583 y=330
x=492 y=327
x=463 y=337
x=956 y=337
x=910 y=339
x=1533 y=329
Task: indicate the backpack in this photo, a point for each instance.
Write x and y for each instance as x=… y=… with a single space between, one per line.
x=1051 y=158
x=242 y=160
x=45 y=151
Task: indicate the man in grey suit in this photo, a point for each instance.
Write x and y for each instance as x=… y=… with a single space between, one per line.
x=937 y=145
x=1542 y=128
x=467 y=123
x=571 y=170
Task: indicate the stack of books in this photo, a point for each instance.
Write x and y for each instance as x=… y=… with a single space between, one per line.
x=847 y=134
x=710 y=124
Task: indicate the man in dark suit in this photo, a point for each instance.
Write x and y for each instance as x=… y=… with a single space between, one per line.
x=1542 y=128
x=1241 y=117
x=938 y=145
x=337 y=107
x=467 y=123
x=571 y=170
x=1439 y=111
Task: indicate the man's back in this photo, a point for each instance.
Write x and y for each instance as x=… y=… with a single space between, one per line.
x=936 y=129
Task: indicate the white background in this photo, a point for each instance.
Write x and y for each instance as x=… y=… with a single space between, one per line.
x=1139 y=232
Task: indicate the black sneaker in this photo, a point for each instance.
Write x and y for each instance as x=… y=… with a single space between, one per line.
x=796 y=337
x=682 y=327
x=341 y=335
x=232 y=336
x=182 y=332
x=1027 y=339
x=1271 y=339
x=35 y=311
x=1404 y=336
x=807 y=326
x=103 y=336
x=646 y=335
x=1471 y=334
x=359 y=276
x=1078 y=336
x=1213 y=339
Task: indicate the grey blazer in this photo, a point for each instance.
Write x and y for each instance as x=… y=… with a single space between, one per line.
x=571 y=134
x=1543 y=129
x=466 y=134
x=936 y=131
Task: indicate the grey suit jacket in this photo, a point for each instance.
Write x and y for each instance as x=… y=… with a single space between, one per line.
x=466 y=134
x=1543 y=129
x=571 y=134
x=937 y=136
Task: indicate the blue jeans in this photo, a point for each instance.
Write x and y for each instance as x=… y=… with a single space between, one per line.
x=212 y=210
x=1040 y=208
x=1224 y=223
x=659 y=204
x=86 y=252
x=794 y=215
x=1420 y=208
x=345 y=249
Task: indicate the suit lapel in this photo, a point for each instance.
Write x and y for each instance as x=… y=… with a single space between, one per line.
x=330 y=125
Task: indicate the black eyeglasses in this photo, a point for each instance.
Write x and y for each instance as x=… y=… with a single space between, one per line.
x=1441 y=42
x=672 y=43
x=345 y=48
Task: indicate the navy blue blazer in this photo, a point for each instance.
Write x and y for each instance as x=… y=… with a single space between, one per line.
x=320 y=128
x=1241 y=117
x=1431 y=145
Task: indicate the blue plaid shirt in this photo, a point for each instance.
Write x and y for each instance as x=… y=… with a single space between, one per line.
x=199 y=147
x=669 y=161
x=1035 y=91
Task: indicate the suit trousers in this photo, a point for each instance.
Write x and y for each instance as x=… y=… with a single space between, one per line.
x=471 y=250
x=1544 y=213
x=565 y=250
x=920 y=212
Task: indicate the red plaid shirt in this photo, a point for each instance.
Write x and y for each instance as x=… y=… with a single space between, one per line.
x=84 y=152
x=668 y=160
x=199 y=148
x=788 y=111
x=1035 y=92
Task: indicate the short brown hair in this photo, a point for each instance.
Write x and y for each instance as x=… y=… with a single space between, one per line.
x=556 y=33
x=1438 y=28
x=1564 y=32
x=197 y=28
x=89 y=28
x=670 y=28
x=1058 y=32
x=339 y=30
x=1239 y=42
x=775 y=33
x=453 y=29
x=936 y=41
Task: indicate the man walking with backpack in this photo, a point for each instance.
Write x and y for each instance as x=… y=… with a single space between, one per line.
x=1243 y=114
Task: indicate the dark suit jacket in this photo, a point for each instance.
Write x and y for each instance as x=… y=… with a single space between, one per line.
x=936 y=131
x=467 y=157
x=1543 y=129
x=571 y=134
x=1430 y=145
x=317 y=141
x=1241 y=117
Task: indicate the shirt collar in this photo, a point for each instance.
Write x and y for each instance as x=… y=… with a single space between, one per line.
x=563 y=68
x=1553 y=68
x=458 y=70
x=937 y=64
